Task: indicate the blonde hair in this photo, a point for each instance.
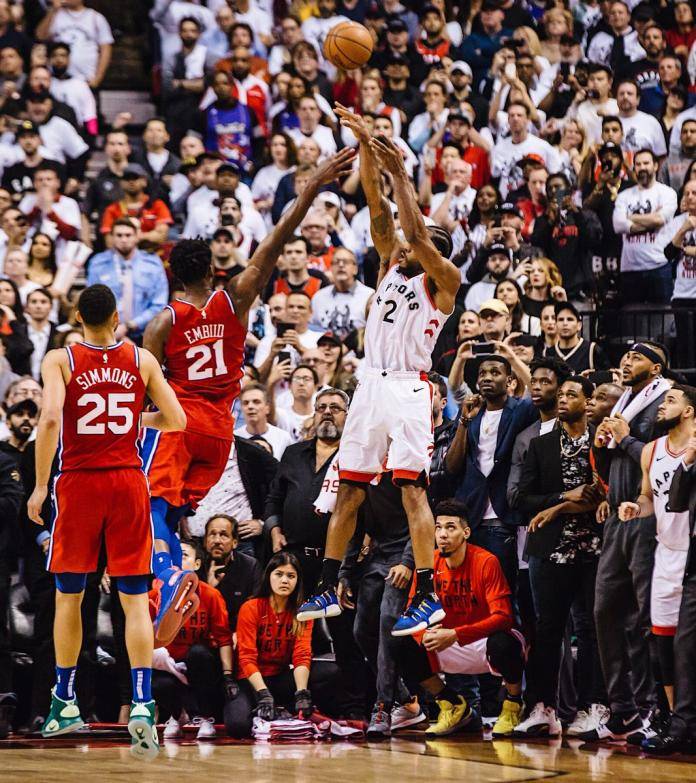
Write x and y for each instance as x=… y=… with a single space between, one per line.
x=559 y=12
x=584 y=146
x=553 y=274
x=532 y=40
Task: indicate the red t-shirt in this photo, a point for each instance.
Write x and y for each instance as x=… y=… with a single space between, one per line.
x=265 y=642
x=208 y=625
x=475 y=596
x=150 y=213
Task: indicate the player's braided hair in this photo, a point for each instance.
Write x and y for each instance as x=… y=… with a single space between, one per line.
x=190 y=260
x=442 y=240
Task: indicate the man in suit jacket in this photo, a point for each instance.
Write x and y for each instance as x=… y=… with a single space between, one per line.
x=558 y=492
x=682 y=732
x=40 y=330
x=481 y=453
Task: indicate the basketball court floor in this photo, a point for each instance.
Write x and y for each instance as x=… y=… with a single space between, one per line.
x=104 y=756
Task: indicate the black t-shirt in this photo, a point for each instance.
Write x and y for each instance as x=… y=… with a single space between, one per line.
x=19 y=179
x=241 y=581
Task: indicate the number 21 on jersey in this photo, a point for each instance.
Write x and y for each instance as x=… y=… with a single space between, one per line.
x=209 y=360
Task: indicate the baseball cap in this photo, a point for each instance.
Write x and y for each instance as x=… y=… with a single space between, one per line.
x=230 y=167
x=508 y=208
x=39 y=97
x=428 y=8
x=396 y=25
x=219 y=232
x=490 y=5
x=609 y=146
x=497 y=247
x=494 y=306
x=329 y=337
x=330 y=196
x=460 y=65
x=396 y=58
x=134 y=171
x=24 y=405
x=26 y=128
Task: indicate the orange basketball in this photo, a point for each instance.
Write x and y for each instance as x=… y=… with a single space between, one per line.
x=348 y=45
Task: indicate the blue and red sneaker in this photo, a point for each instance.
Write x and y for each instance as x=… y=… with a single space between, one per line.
x=424 y=610
x=318 y=606
x=176 y=602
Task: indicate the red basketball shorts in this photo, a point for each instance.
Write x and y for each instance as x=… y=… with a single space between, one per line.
x=182 y=467
x=95 y=506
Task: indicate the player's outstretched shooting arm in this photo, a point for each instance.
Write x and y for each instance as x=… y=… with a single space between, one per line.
x=246 y=286
x=443 y=273
x=382 y=226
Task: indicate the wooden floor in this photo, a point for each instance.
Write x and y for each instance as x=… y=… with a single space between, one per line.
x=464 y=760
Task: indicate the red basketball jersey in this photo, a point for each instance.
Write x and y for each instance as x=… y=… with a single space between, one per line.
x=103 y=403
x=203 y=359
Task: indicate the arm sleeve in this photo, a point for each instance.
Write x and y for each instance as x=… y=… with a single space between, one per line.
x=247 y=650
x=670 y=205
x=302 y=649
x=499 y=607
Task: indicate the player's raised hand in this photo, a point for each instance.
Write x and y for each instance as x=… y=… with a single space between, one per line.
x=338 y=165
x=388 y=154
x=354 y=122
x=35 y=504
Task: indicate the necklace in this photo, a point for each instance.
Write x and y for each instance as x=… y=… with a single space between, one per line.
x=580 y=443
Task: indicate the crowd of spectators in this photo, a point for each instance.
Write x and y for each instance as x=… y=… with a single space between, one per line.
x=554 y=140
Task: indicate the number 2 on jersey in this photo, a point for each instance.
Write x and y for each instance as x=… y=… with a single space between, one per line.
x=391 y=306
x=120 y=419
x=203 y=356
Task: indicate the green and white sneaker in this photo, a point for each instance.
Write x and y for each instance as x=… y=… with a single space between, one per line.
x=143 y=730
x=63 y=717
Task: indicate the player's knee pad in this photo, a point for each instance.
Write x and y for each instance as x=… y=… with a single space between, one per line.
x=70 y=583
x=131 y=585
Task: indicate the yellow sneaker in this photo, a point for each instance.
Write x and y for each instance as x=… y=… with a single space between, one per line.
x=508 y=720
x=452 y=717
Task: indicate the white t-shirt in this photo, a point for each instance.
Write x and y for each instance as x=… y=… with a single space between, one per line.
x=505 y=156
x=265 y=185
x=460 y=206
x=307 y=339
x=488 y=439
x=643 y=251
x=675 y=135
x=78 y=95
x=340 y=312
x=588 y=115
x=85 y=30
x=61 y=139
x=685 y=281
x=599 y=50
x=643 y=132
x=279 y=439
x=291 y=422
x=322 y=135
x=478 y=293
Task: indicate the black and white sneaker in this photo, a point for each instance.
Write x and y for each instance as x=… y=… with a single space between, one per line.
x=655 y=725
x=617 y=729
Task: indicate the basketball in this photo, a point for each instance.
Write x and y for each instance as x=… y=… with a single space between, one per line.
x=348 y=45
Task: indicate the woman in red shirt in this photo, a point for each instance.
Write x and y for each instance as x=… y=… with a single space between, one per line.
x=270 y=641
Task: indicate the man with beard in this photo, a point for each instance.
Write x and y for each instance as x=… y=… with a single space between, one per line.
x=498 y=268
x=659 y=462
x=258 y=98
x=558 y=491
x=577 y=352
x=639 y=213
x=391 y=429
x=476 y=635
x=235 y=575
x=625 y=565
x=481 y=454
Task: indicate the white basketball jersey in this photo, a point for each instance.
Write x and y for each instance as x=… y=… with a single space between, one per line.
x=672 y=528
x=403 y=324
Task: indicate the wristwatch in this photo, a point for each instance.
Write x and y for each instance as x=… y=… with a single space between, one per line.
x=561 y=497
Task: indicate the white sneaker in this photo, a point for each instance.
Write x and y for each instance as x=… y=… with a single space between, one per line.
x=206 y=728
x=541 y=722
x=172 y=729
x=588 y=720
x=402 y=716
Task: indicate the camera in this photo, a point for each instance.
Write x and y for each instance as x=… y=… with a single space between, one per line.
x=592 y=95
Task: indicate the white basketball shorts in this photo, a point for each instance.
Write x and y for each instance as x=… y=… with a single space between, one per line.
x=666 y=591
x=389 y=427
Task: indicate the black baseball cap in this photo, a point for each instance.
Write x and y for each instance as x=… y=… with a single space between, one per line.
x=491 y=5
x=329 y=337
x=24 y=405
x=26 y=128
x=609 y=147
x=498 y=247
x=396 y=24
x=508 y=208
x=134 y=171
x=561 y=306
x=428 y=8
x=396 y=58
x=230 y=167
x=220 y=232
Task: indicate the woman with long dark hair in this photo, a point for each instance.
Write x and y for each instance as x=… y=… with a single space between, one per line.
x=269 y=640
x=509 y=291
x=42 y=260
x=13 y=328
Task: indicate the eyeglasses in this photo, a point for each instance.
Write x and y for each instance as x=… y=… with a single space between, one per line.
x=334 y=408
